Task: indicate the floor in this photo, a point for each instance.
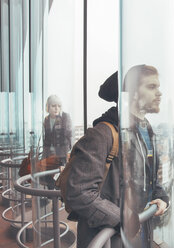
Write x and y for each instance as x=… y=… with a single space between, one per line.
x=7 y=239
x=8 y=236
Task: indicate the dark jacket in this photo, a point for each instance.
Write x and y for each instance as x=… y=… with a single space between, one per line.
x=97 y=209
x=59 y=137
x=140 y=178
x=88 y=158
x=144 y=170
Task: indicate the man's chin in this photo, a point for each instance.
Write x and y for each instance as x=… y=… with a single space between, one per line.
x=153 y=110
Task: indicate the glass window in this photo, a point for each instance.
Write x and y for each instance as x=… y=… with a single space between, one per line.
x=147 y=119
x=4 y=71
x=102 y=52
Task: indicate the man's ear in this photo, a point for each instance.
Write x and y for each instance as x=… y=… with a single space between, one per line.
x=135 y=96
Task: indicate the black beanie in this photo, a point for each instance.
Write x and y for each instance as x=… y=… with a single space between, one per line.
x=109 y=89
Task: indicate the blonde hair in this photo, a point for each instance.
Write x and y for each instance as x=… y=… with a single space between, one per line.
x=53 y=99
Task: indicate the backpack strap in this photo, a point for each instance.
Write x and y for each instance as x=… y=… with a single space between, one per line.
x=114 y=151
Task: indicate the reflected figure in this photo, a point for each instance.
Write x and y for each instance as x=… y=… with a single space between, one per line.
x=57 y=130
x=57 y=137
x=140 y=159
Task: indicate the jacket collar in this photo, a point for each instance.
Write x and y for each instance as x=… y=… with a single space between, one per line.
x=135 y=122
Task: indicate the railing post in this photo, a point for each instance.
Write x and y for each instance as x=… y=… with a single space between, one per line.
x=56 y=228
x=23 y=216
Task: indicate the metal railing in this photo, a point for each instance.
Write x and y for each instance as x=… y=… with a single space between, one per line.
x=103 y=238
x=54 y=195
x=9 y=164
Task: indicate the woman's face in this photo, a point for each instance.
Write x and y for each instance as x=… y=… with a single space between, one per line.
x=54 y=109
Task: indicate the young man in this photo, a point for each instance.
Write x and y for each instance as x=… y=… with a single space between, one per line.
x=97 y=209
x=142 y=84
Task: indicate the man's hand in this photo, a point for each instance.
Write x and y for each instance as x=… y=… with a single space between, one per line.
x=67 y=157
x=161 y=206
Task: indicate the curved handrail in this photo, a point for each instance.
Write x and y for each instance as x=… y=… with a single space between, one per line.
x=12 y=162
x=7 y=194
x=125 y=240
x=54 y=194
x=19 y=234
x=144 y=216
x=18 y=237
x=34 y=191
x=104 y=235
x=11 y=209
x=148 y=213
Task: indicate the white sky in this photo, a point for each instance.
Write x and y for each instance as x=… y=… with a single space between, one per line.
x=65 y=54
x=147 y=39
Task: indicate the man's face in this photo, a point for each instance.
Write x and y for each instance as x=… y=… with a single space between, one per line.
x=149 y=96
x=54 y=109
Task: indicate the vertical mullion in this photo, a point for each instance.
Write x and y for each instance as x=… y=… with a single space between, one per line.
x=0 y=51
x=23 y=39
x=9 y=26
x=85 y=64
x=30 y=87
x=0 y=71
x=9 y=72
x=43 y=7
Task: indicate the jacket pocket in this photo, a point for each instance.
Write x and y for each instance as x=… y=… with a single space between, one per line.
x=96 y=219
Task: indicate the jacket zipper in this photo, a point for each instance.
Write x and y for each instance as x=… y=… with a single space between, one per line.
x=144 y=161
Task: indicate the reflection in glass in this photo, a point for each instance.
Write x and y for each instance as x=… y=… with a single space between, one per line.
x=4 y=97
x=140 y=157
x=57 y=127
x=12 y=73
x=147 y=128
x=50 y=139
x=142 y=84
x=56 y=139
x=4 y=71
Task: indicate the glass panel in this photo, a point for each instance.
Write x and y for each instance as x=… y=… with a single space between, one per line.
x=147 y=50
x=36 y=42
x=37 y=9
x=11 y=99
x=26 y=75
x=65 y=59
x=4 y=71
x=16 y=73
x=4 y=96
x=0 y=56
x=59 y=65
x=102 y=51
x=5 y=44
